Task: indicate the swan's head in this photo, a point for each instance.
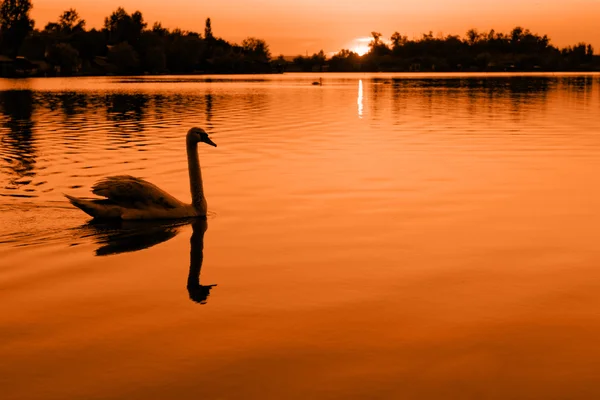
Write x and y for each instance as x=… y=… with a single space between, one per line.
x=197 y=135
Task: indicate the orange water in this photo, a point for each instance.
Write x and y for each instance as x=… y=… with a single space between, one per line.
x=379 y=236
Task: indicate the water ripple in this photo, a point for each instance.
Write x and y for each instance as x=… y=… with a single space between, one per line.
x=61 y=135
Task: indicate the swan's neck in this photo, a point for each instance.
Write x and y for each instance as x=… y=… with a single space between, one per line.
x=196 y=188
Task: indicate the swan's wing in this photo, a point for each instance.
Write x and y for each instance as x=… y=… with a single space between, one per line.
x=130 y=192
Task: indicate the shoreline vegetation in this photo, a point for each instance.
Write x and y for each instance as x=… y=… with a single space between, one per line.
x=126 y=45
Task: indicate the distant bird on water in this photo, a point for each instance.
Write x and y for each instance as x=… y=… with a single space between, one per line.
x=126 y=197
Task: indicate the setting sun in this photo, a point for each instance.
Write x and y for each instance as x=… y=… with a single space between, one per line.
x=360 y=45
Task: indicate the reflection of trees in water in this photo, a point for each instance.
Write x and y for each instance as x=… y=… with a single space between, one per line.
x=501 y=85
x=67 y=103
x=376 y=90
x=578 y=82
x=209 y=106
x=479 y=92
x=72 y=103
x=161 y=106
x=74 y=106
x=520 y=91
x=523 y=91
x=127 y=111
x=172 y=107
x=18 y=141
x=68 y=114
x=175 y=107
x=116 y=237
x=400 y=103
x=580 y=86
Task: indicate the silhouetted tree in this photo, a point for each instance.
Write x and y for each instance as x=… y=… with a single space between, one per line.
x=319 y=59
x=122 y=27
x=516 y=35
x=158 y=29
x=184 y=51
x=208 y=35
x=378 y=46
x=15 y=24
x=126 y=46
x=345 y=61
x=68 y=22
x=472 y=37
x=398 y=40
x=257 y=49
x=376 y=39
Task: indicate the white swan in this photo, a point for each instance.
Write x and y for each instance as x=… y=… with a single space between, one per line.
x=127 y=197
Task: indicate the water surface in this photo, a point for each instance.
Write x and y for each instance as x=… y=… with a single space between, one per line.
x=376 y=236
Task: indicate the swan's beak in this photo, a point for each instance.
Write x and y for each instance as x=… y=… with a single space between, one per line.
x=208 y=141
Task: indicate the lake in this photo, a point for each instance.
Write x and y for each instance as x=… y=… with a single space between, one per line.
x=376 y=236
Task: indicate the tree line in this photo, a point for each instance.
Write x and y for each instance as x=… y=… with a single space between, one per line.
x=518 y=50
x=126 y=44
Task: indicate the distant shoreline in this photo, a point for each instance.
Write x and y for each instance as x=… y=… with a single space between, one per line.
x=128 y=46
x=323 y=73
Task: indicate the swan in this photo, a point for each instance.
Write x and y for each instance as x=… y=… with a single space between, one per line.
x=129 y=198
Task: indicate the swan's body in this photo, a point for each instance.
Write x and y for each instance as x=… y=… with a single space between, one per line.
x=127 y=197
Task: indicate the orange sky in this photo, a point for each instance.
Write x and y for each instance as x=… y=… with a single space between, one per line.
x=294 y=27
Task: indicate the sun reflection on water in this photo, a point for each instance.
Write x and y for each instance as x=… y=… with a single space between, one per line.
x=360 y=98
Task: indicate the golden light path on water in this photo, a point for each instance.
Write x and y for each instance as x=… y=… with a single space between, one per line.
x=360 y=98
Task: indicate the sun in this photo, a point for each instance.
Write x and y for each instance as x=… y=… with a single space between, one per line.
x=360 y=45
x=361 y=49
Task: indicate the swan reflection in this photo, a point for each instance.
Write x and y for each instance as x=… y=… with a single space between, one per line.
x=115 y=237
x=197 y=292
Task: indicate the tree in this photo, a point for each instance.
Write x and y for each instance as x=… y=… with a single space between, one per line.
x=345 y=61
x=472 y=36
x=398 y=40
x=68 y=22
x=208 y=35
x=318 y=59
x=257 y=49
x=117 y=24
x=158 y=29
x=378 y=46
x=15 y=24
x=138 y=24
x=122 y=27
x=183 y=52
x=376 y=39
x=71 y=22
x=516 y=35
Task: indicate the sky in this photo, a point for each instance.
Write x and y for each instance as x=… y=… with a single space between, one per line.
x=307 y=26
